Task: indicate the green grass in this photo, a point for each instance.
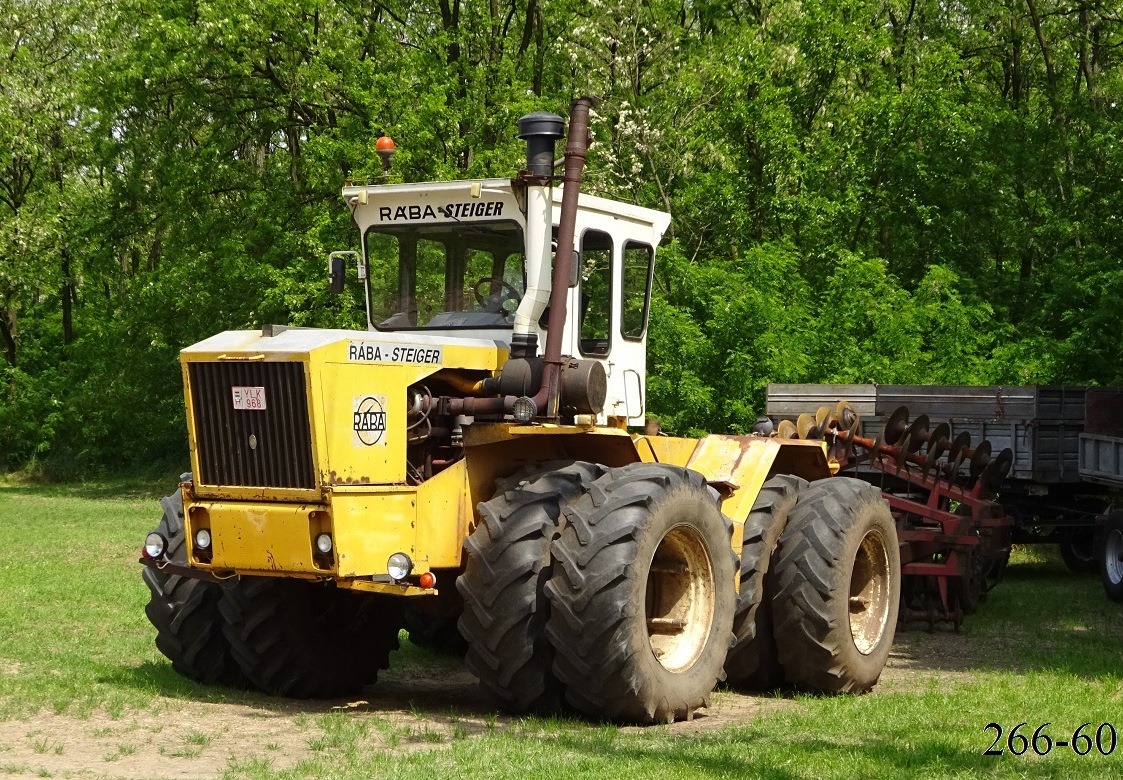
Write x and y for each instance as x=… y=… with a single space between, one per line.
x=72 y=625
x=1047 y=646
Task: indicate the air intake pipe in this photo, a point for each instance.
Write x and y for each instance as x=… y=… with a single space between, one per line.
x=540 y=130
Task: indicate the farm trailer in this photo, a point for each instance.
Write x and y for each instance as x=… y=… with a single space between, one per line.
x=436 y=470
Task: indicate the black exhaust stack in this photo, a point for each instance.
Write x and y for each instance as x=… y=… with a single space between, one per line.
x=540 y=130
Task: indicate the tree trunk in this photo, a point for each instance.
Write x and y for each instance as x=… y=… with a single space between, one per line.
x=66 y=294
x=9 y=324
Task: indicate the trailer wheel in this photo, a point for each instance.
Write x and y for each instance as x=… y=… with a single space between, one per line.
x=309 y=640
x=753 y=663
x=968 y=592
x=508 y=564
x=642 y=595
x=1078 y=550
x=1111 y=556
x=184 y=611
x=837 y=580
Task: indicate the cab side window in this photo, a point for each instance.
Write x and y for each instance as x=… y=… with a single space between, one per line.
x=635 y=292
x=596 y=293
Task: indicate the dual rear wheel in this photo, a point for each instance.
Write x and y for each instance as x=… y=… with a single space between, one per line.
x=836 y=588
x=604 y=589
x=627 y=611
x=641 y=598
x=820 y=588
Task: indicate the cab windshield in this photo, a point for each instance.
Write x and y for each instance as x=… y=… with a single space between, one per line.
x=465 y=275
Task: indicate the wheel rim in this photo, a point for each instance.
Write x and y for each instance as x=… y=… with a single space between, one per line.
x=869 y=593
x=679 y=599
x=1113 y=556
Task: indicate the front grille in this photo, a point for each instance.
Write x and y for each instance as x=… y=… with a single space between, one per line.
x=270 y=447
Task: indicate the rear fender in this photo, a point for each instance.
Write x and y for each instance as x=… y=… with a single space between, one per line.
x=738 y=467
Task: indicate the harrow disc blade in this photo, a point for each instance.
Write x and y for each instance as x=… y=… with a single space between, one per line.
x=846 y=416
x=872 y=454
x=997 y=470
x=786 y=430
x=932 y=456
x=805 y=427
x=980 y=458
x=824 y=418
x=896 y=425
x=917 y=433
x=903 y=449
x=957 y=453
x=1003 y=463
x=929 y=465
x=961 y=443
x=940 y=437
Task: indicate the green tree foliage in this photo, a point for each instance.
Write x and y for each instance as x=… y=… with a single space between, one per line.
x=893 y=191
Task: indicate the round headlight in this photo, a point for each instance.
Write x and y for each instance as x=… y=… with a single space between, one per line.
x=203 y=539
x=398 y=566
x=155 y=545
x=323 y=543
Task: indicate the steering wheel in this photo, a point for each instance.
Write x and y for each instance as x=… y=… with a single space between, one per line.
x=494 y=301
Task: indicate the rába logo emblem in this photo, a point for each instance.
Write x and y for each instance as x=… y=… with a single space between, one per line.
x=370 y=420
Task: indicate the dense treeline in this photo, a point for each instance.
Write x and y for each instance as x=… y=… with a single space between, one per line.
x=862 y=190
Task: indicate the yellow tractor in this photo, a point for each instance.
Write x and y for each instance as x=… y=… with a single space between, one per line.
x=439 y=471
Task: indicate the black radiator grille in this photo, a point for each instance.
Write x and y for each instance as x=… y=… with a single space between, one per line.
x=270 y=447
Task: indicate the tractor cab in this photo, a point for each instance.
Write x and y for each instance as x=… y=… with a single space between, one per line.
x=474 y=259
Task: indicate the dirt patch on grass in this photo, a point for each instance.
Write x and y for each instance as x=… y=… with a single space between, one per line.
x=9 y=668
x=181 y=740
x=411 y=709
x=178 y=739
x=920 y=660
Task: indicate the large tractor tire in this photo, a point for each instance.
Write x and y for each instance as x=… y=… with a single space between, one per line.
x=185 y=612
x=508 y=565
x=431 y=621
x=1110 y=556
x=642 y=595
x=837 y=587
x=309 y=640
x=753 y=663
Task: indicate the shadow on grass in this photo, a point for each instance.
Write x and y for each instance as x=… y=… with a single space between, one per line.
x=760 y=754
x=418 y=681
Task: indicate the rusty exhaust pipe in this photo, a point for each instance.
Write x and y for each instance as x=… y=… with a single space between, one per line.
x=576 y=150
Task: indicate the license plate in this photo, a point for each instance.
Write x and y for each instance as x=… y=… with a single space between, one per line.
x=248 y=397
